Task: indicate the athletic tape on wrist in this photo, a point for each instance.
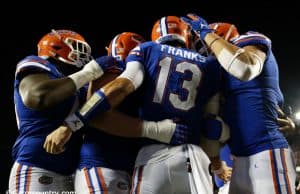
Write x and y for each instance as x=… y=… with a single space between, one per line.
x=97 y=104
x=74 y=122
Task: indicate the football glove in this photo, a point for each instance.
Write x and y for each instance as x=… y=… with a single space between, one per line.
x=198 y=24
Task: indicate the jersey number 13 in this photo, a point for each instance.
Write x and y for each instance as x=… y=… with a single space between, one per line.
x=190 y=85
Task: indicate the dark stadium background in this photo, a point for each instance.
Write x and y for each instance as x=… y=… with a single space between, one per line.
x=24 y=23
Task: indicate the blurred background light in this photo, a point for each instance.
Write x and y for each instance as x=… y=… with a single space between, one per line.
x=297 y=115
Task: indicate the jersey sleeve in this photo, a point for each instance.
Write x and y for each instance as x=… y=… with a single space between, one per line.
x=31 y=65
x=253 y=38
x=142 y=53
x=135 y=54
x=135 y=63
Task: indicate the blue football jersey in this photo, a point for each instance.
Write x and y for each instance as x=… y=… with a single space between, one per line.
x=250 y=106
x=177 y=83
x=100 y=149
x=35 y=125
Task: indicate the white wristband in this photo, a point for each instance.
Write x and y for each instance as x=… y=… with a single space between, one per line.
x=73 y=122
x=161 y=130
x=90 y=71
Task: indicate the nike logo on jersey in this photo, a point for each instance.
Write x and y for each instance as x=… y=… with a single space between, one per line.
x=77 y=123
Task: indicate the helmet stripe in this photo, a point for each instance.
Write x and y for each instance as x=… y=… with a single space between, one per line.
x=163 y=27
x=229 y=32
x=114 y=47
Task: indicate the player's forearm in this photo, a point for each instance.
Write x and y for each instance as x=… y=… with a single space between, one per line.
x=213 y=105
x=100 y=82
x=117 y=123
x=214 y=126
x=100 y=102
x=117 y=90
x=106 y=98
x=217 y=44
x=126 y=83
x=243 y=63
x=210 y=147
x=109 y=96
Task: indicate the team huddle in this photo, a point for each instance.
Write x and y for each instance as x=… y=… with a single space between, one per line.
x=151 y=117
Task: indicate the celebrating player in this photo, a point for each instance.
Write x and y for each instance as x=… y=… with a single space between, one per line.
x=107 y=161
x=251 y=97
x=171 y=77
x=47 y=88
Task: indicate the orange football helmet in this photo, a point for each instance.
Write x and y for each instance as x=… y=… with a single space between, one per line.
x=171 y=28
x=122 y=44
x=225 y=30
x=66 y=46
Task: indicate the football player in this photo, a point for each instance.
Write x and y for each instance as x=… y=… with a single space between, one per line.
x=171 y=76
x=101 y=153
x=47 y=88
x=251 y=97
x=107 y=161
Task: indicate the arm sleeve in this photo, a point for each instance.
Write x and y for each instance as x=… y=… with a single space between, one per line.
x=134 y=72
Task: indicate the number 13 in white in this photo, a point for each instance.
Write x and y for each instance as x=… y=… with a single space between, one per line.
x=190 y=85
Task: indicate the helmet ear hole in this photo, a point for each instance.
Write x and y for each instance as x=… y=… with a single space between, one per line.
x=121 y=44
x=56 y=47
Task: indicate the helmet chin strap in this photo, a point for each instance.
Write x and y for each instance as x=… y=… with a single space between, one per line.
x=64 y=68
x=71 y=63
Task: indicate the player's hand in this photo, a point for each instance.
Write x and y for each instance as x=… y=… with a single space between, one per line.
x=286 y=124
x=108 y=63
x=55 y=141
x=198 y=24
x=221 y=170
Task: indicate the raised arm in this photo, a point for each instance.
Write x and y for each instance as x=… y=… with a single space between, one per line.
x=244 y=63
x=110 y=95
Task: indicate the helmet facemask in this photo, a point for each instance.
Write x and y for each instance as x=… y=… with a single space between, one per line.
x=80 y=51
